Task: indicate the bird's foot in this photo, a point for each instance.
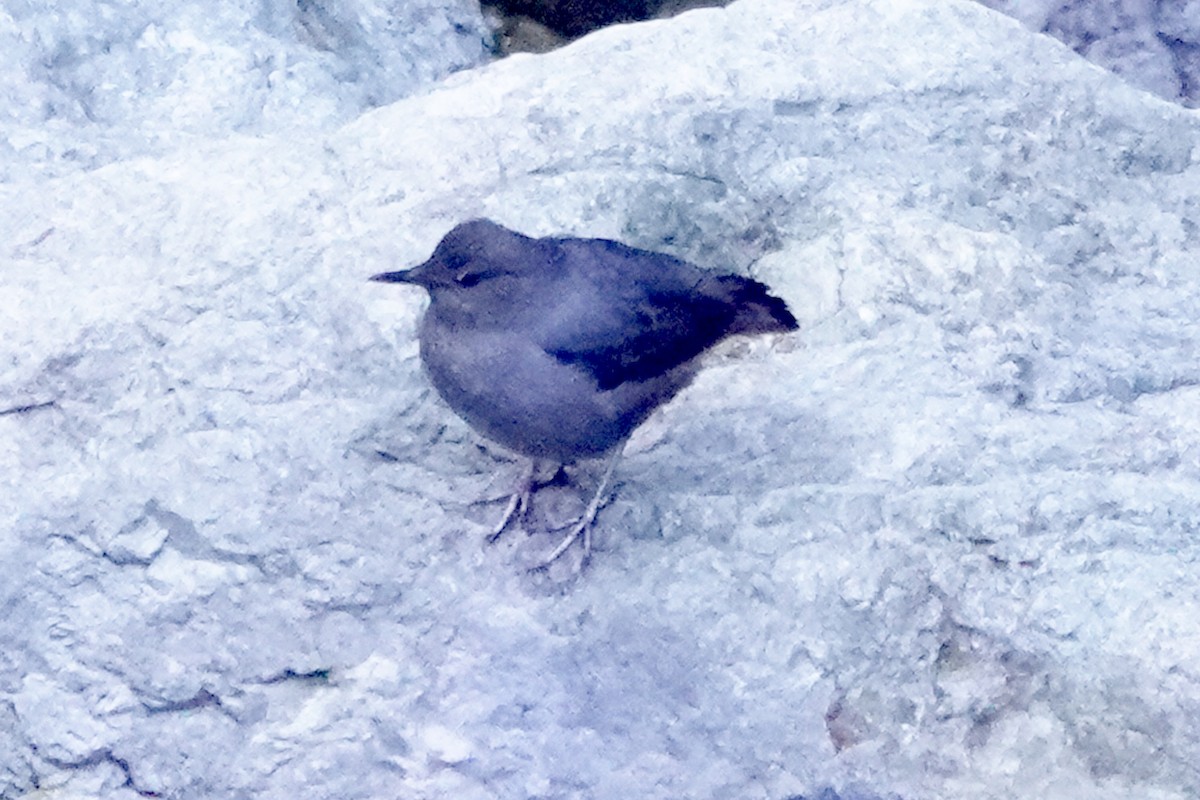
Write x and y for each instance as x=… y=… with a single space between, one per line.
x=518 y=504
x=519 y=501
x=582 y=527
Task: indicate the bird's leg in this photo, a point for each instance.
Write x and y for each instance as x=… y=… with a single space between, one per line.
x=518 y=503
x=584 y=524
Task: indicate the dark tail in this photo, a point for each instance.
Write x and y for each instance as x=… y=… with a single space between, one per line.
x=756 y=310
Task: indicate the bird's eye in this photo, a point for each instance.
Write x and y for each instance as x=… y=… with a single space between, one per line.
x=468 y=278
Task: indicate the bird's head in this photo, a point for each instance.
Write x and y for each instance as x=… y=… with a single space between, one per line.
x=472 y=254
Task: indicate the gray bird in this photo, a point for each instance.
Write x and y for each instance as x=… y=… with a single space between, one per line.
x=557 y=348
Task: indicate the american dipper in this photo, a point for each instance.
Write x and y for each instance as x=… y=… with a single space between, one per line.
x=557 y=348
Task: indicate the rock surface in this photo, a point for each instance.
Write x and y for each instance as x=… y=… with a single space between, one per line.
x=88 y=82
x=1154 y=44
x=939 y=544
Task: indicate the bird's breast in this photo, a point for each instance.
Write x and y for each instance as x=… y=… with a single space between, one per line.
x=510 y=390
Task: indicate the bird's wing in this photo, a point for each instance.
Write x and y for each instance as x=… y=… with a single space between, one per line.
x=631 y=315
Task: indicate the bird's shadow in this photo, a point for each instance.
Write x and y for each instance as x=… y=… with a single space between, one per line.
x=690 y=462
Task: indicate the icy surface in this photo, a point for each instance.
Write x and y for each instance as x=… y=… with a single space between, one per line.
x=939 y=544
x=87 y=82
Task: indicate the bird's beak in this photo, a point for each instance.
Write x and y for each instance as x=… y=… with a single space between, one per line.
x=403 y=276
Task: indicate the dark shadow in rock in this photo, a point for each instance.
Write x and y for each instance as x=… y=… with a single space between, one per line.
x=541 y=25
